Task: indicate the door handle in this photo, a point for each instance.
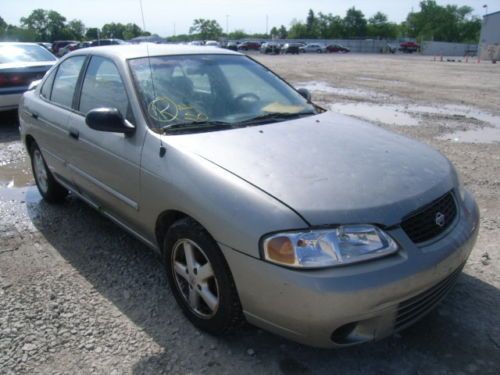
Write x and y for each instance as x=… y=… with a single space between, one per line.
x=73 y=133
x=34 y=115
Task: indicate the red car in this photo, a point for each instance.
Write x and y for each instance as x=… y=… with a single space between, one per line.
x=409 y=47
x=333 y=48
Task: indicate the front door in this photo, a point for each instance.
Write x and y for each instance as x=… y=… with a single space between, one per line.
x=106 y=166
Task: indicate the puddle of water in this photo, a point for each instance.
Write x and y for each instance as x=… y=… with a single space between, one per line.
x=341 y=91
x=484 y=135
x=453 y=110
x=16 y=173
x=386 y=114
x=392 y=81
x=395 y=114
x=27 y=194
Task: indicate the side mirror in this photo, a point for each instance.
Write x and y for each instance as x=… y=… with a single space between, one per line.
x=305 y=93
x=108 y=120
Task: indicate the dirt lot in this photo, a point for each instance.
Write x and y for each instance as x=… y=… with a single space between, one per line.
x=79 y=295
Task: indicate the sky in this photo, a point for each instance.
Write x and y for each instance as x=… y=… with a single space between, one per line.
x=166 y=18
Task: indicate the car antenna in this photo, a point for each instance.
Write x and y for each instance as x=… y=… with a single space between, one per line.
x=163 y=150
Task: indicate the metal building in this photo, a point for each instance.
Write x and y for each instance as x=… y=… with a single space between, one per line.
x=489 y=41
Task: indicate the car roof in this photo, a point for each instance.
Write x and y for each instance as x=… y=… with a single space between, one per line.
x=132 y=51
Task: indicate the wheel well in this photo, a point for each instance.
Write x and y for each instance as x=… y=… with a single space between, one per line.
x=165 y=221
x=29 y=141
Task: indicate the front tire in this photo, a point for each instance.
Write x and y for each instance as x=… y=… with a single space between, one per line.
x=200 y=278
x=49 y=188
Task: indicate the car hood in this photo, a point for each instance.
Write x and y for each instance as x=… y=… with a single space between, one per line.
x=330 y=168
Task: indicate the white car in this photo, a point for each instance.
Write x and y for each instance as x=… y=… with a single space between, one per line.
x=212 y=43
x=21 y=64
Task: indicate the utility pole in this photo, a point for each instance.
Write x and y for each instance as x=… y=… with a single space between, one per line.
x=174 y=29
x=267 y=24
x=227 y=26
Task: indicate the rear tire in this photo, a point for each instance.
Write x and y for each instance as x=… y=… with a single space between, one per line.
x=200 y=279
x=49 y=188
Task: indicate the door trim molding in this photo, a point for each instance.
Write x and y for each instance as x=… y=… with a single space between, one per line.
x=103 y=186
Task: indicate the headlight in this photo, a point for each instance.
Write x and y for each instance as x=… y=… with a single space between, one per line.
x=329 y=247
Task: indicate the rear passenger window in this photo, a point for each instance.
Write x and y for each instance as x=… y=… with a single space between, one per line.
x=103 y=87
x=65 y=81
x=47 y=86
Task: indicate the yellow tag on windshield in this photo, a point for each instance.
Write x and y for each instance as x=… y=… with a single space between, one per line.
x=282 y=108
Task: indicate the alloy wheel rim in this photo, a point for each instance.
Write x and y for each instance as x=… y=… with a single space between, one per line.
x=195 y=278
x=40 y=171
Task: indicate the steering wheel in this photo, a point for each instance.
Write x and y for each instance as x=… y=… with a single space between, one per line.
x=249 y=95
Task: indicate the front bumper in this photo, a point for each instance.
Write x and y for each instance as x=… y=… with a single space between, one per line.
x=353 y=304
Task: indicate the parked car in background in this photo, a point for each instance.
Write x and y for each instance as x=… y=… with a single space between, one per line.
x=390 y=48
x=20 y=65
x=249 y=46
x=313 y=48
x=263 y=206
x=106 y=42
x=233 y=46
x=212 y=43
x=46 y=45
x=72 y=47
x=409 y=47
x=291 y=48
x=67 y=48
x=270 y=47
x=337 y=48
x=196 y=43
x=58 y=44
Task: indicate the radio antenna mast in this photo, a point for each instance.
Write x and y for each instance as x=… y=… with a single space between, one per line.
x=162 y=148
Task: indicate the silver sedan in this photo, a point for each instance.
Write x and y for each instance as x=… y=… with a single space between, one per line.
x=264 y=207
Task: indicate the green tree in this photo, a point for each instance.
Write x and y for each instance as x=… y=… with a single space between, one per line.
x=282 y=32
x=297 y=30
x=237 y=34
x=77 y=29
x=46 y=25
x=113 y=30
x=38 y=23
x=329 y=26
x=206 y=29
x=311 y=25
x=3 y=25
x=380 y=27
x=448 y=23
x=354 y=23
x=92 y=33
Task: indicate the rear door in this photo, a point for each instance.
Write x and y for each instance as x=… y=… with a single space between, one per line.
x=50 y=113
x=106 y=165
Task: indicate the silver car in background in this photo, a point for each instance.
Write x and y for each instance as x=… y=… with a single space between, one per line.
x=21 y=64
x=264 y=206
x=313 y=48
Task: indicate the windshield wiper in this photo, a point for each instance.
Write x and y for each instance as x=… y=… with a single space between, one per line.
x=197 y=125
x=278 y=116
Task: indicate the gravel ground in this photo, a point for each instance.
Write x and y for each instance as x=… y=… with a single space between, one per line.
x=79 y=295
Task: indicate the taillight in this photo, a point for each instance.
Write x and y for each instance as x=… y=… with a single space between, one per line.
x=18 y=79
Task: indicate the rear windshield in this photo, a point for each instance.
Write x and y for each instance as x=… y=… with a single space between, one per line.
x=11 y=53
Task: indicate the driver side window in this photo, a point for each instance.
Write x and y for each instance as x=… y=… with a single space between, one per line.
x=103 y=87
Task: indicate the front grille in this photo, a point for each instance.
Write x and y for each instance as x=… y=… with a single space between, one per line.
x=412 y=309
x=424 y=224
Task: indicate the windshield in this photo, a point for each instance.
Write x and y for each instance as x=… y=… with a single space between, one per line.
x=11 y=53
x=199 y=91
